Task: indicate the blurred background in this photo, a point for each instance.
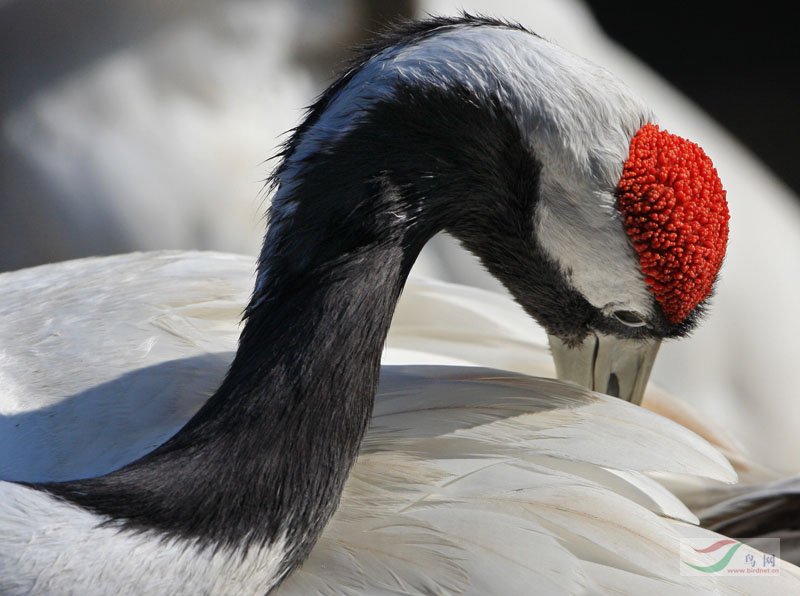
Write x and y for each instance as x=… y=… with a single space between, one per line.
x=144 y=124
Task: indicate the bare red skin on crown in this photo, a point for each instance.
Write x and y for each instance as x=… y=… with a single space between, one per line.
x=676 y=216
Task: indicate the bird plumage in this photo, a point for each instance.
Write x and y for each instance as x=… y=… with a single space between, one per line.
x=78 y=359
x=467 y=477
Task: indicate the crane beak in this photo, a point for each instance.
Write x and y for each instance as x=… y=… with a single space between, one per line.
x=608 y=364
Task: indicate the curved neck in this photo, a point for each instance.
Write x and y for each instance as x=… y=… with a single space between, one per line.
x=265 y=459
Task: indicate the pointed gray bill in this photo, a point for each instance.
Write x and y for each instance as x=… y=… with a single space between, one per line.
x=608 y=364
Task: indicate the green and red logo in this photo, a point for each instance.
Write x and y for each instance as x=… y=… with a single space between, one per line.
x=726 y=556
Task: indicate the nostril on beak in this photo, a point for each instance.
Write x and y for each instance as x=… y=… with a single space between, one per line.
x=613 y=385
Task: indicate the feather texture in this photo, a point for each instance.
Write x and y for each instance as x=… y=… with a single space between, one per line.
x=465 y=485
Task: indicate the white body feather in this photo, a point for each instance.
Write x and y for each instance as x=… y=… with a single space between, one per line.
x=49 y=547
x=469 y=481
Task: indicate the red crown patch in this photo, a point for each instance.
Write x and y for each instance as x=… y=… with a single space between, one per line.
x=675 y=213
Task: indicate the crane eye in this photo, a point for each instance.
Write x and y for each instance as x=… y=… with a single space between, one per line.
x=630 y=318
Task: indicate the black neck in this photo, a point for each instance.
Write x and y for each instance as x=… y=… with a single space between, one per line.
x=268 y=454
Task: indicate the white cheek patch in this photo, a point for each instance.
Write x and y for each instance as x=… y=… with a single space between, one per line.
x=587 y=239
